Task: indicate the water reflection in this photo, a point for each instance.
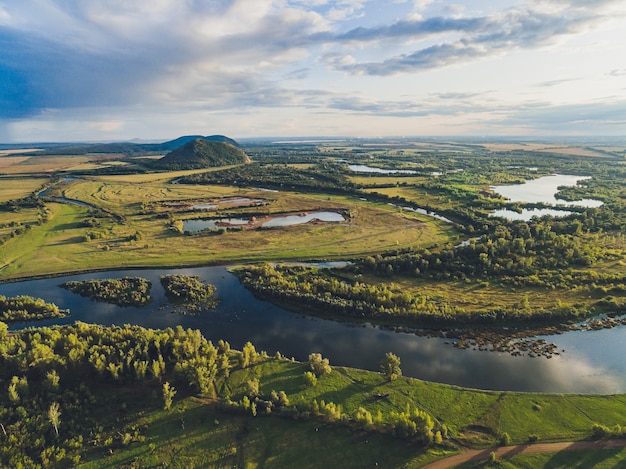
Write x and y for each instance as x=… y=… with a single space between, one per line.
x=543 y=190
x=290 y=220
x=361 y=168
x=528 y=214
x=591 y=362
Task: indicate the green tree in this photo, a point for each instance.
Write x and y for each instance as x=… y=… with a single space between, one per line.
x=54 y=416
x=310 y=379
x=248 y=355
x=168 y=395
x=390 y=367
x=320 y=366
x=52 y=380
x=253 y=387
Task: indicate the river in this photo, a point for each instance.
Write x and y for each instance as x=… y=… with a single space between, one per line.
x=591 y=361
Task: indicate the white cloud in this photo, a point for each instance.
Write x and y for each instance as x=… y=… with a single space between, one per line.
x=328 y=56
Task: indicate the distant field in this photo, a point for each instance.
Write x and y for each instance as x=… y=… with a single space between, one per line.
x=46 y=164
x=17 y=188
x=542 y=147
x=6 y=161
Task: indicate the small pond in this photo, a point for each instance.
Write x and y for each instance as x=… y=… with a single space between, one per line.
x=204 y=207
x=196 y=225
x=590 y=361
x=361 y=168
x=331 y=217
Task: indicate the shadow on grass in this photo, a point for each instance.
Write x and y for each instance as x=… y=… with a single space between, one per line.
x=72 y=240
x=585 y=459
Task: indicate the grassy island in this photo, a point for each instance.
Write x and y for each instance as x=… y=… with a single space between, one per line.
x=189 y=291
x=129 y=291
x=27 y=308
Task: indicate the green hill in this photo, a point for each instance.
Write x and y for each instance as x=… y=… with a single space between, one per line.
x=200 y=153
x=180 y=141
x=125 y=148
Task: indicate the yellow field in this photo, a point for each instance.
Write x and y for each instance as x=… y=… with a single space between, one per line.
x=19 y=187
x=542 y=147
x=6 y=161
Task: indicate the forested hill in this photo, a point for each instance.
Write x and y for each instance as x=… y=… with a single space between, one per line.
x=200 y=153
x=180 y=141
x=126 y=148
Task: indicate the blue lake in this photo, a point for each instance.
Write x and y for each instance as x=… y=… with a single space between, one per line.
x=541 y=190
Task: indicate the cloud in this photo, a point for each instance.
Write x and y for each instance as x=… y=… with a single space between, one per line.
x=119 y=53
x=611 y=112
x=617 y=72
x=196 y=56
x=550 y=83
x=472 y=38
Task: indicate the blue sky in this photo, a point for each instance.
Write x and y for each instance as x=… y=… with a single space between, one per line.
x=157 y=69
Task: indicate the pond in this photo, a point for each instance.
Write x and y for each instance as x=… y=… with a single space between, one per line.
x=196 y=225
x=361 y=168
x=331 y=217
x=591 y=361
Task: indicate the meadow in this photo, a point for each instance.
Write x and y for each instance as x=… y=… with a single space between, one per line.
x=133 y=225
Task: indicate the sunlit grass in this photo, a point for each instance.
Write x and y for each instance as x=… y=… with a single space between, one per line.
x=60 y=245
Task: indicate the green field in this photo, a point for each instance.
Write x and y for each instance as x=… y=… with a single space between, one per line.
x=475 y=418
x=132 y=203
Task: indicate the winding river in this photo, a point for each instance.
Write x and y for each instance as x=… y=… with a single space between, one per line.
x=590 y=362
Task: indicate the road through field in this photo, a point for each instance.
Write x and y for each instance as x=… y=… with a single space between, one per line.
x=508 y=451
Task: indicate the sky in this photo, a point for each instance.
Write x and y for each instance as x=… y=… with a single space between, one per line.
x=102 y=70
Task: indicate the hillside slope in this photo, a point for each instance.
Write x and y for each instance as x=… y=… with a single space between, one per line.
x=200 y=153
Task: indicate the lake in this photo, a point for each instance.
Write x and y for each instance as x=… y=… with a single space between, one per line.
x=541 y=190
x=361 y=168
x=592 y=361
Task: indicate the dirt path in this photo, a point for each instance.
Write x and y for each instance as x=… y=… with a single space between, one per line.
x=508 y=451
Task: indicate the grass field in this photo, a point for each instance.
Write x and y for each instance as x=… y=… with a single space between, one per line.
x=214 y=439
x=60 y=245
x=17 y=188
x=218 y=438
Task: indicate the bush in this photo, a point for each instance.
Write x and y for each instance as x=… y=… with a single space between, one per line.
x=310 y=379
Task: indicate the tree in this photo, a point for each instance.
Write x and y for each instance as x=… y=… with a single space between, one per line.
x=319 y=365
x=52 y=380
x=390 y=367
x=248 y=355
x=310 y=379
x=54 y=416
x=168 y=395
x=253 y=387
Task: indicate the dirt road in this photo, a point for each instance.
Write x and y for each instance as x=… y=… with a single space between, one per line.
x=508 y=451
